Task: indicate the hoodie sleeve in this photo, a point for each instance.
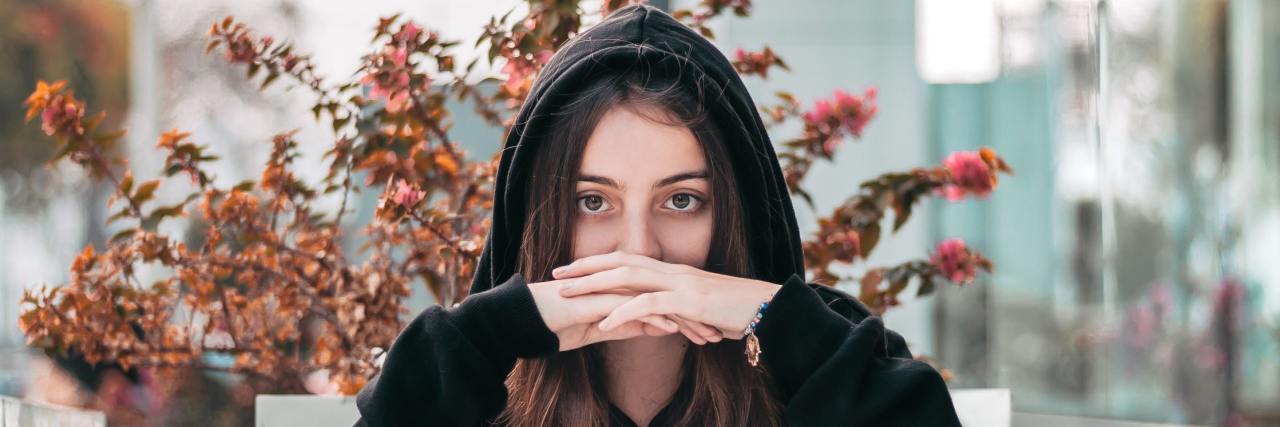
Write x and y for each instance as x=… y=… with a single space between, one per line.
x=830 y=369
x=448 y=366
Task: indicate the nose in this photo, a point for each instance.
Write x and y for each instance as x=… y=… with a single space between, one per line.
x=639 y=237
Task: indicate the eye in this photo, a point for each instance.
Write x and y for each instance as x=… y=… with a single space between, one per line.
x=684 y=203
x=592 y=204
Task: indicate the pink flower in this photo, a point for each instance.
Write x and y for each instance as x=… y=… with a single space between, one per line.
x=849 y=112
x=856 y=112
x=395 y=92
x=542 y=57
x=969 y=175
x=290 y=62
x=61 y=114
x=829 y=146
x=821 y=110
x=398 y=55
x=376 y=91
x=391 y=83
x=407 y=196
x=241 y=49
x=398 y=102
x=846 y=101
x=407 y=32
x=519 y=68
x=953 y=259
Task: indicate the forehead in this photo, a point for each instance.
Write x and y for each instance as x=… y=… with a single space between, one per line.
x=626 y=145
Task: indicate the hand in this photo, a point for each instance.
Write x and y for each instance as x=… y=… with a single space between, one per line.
x=726 y=303
x=574 y=320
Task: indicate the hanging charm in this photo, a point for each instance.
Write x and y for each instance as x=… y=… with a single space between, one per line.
x=753 y=350
x=753 y=343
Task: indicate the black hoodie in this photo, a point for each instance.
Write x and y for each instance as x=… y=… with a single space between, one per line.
x=832 y=363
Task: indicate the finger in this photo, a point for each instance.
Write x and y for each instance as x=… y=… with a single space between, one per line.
x=593 y=308
x=690 y=330
x=661 y=303
x=630 y=330
x=622 y=279
x=654 y=332
x=693 y=336
x=626 y=331
x=661 y=322
x=687 y=328
x=597 y=263
x=706 y=332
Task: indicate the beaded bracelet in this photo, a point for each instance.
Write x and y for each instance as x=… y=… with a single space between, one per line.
x=753 y=343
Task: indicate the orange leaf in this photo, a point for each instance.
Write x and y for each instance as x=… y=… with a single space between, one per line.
x=446 y=163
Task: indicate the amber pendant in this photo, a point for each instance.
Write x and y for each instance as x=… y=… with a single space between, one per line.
x=753 y=350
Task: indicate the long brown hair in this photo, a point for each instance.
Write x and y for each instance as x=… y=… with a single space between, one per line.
x=569 y=388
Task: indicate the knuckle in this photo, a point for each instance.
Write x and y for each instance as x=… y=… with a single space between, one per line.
x=628 y=273
x=580 y=283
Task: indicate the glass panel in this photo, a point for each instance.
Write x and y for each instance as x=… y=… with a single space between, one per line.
x=1135 y=248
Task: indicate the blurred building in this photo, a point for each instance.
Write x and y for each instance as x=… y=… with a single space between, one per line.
x=1135 y=249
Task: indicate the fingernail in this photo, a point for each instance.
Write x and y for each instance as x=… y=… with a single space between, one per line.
x=557 y=271
x=566 y=287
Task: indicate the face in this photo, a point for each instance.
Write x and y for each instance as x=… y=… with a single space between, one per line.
x=643 y=189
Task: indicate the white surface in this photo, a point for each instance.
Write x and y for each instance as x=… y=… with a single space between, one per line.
x=976 y=408
x=1040 y=420
x=983 y=407
x=957 y=41
x=304 y=410
x=18 y=413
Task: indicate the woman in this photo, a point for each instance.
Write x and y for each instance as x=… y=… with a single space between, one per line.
x=641 y=223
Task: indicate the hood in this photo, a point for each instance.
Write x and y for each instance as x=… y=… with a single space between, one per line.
x=609 y=46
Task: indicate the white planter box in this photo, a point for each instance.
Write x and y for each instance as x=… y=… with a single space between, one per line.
x=976 y=407
x=19 y=413
x=983 y=407
x=280 y=410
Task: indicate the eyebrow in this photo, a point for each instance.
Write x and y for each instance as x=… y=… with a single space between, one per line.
x=702 y=174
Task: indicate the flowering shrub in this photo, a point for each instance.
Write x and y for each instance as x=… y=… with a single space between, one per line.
x=267 y=280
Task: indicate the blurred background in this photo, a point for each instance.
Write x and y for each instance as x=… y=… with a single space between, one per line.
x=1137 y=249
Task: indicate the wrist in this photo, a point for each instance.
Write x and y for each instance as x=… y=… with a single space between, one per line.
x=762 y=292
x=552 y=308
x=507 y=318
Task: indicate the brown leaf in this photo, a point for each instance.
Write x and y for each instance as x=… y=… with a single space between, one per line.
x=869 y=237
x=145 y=191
